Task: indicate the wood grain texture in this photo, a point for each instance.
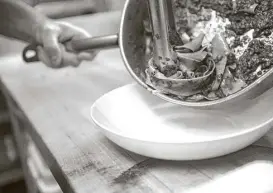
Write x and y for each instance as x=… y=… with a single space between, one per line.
x=56 y=104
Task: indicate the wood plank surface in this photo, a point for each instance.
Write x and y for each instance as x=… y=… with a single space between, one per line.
x=56 y=105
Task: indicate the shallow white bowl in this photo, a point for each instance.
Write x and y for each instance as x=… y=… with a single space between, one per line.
x=142 y=123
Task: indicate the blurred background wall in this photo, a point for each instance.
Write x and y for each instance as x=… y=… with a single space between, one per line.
x=109 y=4
x=115 y=4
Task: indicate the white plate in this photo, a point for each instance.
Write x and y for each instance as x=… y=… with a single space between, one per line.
x=142 y=123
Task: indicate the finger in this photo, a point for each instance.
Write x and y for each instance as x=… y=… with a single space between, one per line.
x=87 y=56
x=69 y=58
x=43 y=56
x=51 y=47
x=71 y=32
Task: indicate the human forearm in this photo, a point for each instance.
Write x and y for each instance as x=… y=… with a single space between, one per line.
x=20 y=21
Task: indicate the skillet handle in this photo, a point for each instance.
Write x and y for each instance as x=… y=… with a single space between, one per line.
x=100 y=42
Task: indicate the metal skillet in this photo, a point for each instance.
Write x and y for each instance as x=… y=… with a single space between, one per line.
x=132 y=43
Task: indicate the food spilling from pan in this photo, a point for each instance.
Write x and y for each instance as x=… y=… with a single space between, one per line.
x=227 y=45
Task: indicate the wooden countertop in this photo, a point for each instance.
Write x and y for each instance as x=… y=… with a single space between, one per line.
x=57 y=104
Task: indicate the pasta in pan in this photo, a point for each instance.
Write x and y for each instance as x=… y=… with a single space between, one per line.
x=227 y=45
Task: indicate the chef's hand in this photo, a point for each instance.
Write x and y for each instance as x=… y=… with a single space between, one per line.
x=53 y=38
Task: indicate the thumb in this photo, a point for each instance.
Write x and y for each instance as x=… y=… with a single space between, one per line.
x=51 y=47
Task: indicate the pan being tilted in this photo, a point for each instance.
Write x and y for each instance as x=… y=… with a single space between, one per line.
x=132 y=43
